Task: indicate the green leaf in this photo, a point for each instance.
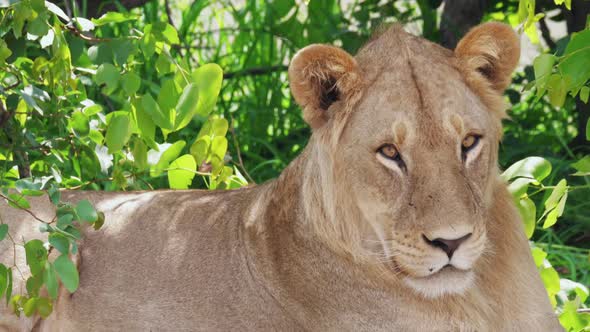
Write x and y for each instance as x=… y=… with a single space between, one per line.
x=543 y=66
x=117 y=133
x=527 y=210
x=551 y=280
x=576 y=60
x=148 y=42
x=114 y=17
x=3 y=279
x=107 y=74
x=555 y=204
x=30 y=306
x=100 y=222
x=139 y=152
x=38 y=26
x=145 y=125
x=38 y=5
x=538 y=256
x=165 y=32
x=60 y=242
x=167 y=157
x=28 y=188
x=9 y=285
x=86 y=211
x=18 y=201
x=54 y=194
x=79 y=123
x=200 y=149
x=588 y=130
x=44 y=307
x=556 y=194
x=5 y=52
x=584 y=94
x=181 y=172
x=557 y=90
x=67 y=272
x=65 y=220
x=164 y=65
x=187 y=106
x=36 y=255
x=219 y=127
x=3 y=231
x=535 y=168
x=159 y=117
x=219 y=146
x=34 y=283
x=92 y=109
x=208 y=80
x=556 y=212
x=131 y=83
x=582 y=166
x=50 y=280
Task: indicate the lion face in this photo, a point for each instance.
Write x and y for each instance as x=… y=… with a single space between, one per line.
x=406 y=138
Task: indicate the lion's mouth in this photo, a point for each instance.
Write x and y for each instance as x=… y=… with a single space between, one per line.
x=449 y=268
x=447 y=280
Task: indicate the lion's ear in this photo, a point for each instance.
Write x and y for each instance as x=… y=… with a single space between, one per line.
x=491 y=50
x=319 y=76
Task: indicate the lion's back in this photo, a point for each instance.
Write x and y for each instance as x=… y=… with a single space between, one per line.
x=165 y=258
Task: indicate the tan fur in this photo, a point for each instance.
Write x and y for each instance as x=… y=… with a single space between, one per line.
x=336 y=243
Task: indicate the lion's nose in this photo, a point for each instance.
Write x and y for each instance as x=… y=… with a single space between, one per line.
x=448 y=246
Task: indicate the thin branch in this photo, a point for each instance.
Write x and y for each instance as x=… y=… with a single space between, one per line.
x=256 y=71
x=82 y=36
x=546 y=34
x=237 y=145
x=14 y=85
x=168 y=12
x=24 y=209
x=584 y=311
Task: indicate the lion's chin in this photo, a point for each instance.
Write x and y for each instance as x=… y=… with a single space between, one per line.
x=447 y=281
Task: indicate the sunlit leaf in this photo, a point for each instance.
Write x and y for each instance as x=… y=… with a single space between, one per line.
x=181 y=172
x=528 y=213
x=208 y=80
x=187 y=106
x=114 y=17
x=117 y=133
x=167 y=157
x=131 y=83
x=532 y=167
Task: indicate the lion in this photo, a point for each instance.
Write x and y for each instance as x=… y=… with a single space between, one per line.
x=393 y=218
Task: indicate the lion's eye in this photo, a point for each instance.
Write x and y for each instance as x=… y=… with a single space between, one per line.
x=390 y=152
x=468 y=143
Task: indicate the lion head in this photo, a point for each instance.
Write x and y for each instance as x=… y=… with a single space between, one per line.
x=402 y=162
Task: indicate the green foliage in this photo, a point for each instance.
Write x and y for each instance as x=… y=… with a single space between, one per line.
x=100 y=104
x=126 y=101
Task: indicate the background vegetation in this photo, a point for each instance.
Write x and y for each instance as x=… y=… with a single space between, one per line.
x=137 y=94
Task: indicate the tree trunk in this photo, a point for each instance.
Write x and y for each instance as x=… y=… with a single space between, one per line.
x=458 y=17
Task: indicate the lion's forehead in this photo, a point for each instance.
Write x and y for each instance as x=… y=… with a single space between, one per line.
x=414 y=82
x=426 y=102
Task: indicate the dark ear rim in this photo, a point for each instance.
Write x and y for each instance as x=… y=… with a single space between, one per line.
x=319 y=76
x=492 y=50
